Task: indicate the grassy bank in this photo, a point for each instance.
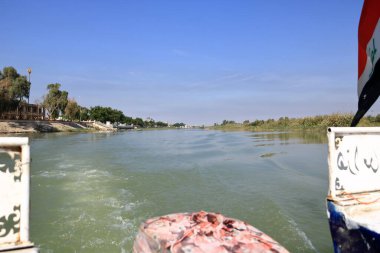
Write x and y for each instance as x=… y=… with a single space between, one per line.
x=319 y=122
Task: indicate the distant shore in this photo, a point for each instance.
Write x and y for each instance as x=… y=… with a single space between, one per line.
x=319 y=122
x=41 y=126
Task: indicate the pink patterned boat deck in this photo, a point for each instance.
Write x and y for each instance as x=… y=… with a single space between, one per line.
x=201 y=232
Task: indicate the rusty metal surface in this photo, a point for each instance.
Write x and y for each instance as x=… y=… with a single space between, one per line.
x=19 y=247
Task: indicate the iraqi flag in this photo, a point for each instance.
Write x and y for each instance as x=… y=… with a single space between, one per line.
x=369 y=54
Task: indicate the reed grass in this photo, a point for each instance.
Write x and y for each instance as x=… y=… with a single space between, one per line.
x=311 y=122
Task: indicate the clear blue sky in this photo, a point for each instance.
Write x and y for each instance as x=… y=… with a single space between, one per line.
x=194 y=61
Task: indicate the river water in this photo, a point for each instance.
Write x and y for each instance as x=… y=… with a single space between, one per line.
x=90 y=192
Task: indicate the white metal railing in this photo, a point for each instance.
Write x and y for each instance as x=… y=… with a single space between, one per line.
x=14 y=193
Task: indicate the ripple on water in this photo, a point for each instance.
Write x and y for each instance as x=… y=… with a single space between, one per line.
x=51 y=174
x=95 y=212
x=302 y=235
x=99 y=193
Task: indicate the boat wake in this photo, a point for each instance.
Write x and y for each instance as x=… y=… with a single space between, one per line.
x=302 y=235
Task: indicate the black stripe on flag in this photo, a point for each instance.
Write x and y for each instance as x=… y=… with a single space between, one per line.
x=369 y=95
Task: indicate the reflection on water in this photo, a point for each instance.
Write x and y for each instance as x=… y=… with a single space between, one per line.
x=91 y=191
x=267 y=155
x=304 y=137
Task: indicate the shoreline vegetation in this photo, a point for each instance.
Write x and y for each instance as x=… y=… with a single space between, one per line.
x=319 y=122
x=63 y=114
x=54 y=108
x=313 y=123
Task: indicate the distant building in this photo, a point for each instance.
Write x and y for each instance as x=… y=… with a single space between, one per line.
x=24 y=112
x=186 y=126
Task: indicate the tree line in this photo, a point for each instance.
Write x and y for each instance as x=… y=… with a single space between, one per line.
x=15 y=89
x=285 y=123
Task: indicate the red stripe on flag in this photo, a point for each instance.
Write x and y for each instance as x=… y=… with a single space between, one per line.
x=368 y=21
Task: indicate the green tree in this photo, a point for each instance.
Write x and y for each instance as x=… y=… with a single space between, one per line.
x=139 y=122
x=179 y=124
x=13 y=86
x=72 y=110
x=149 y=123
x=161 y=124
x=84 y=113
x=226 y=122
x=55 y=100
x=20 y=88
x=116 y=116
x=257 y=123
x=128 y=120
x=98 y=113
x=104 y=114
x=10 y=72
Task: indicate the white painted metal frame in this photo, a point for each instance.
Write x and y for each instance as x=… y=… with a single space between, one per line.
x=21 y=144
x=354 y=160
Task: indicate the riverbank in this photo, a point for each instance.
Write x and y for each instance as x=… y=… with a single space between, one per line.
x=314 y=123
x=43 y=126
x=46 y=126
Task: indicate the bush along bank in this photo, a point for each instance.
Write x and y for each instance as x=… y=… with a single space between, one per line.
x=304 y=123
